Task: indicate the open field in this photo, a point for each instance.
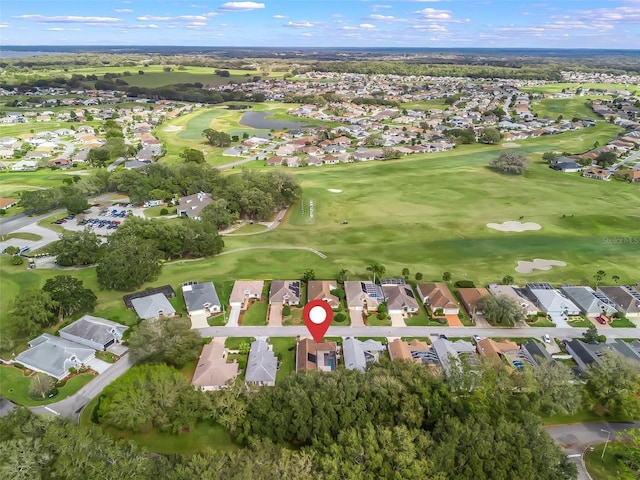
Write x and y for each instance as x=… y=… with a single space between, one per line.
x=567 y=107
x=558 y=87
x=154 y=75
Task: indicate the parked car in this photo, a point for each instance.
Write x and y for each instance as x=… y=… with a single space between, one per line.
x=476 y=338
x=602 y=319
x=443 y=336
x=546 y=338
x=518 y=364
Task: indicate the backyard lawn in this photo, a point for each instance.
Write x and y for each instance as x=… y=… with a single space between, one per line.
x=15 y=387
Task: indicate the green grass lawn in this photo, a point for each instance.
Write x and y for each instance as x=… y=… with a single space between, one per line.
x=567 y=107
x=580 y=323
x=372 y=320
x=22 y=236
x=256 y=314
x=285 y=349
x=603 y=468
x=233 y=343
x=542 y=322
x=217 y=321
x=153 y=212
x=205 y=435
x=15 y=386
x=622 y=323
x=558 y=87
x=107 y=357
x=250 y=228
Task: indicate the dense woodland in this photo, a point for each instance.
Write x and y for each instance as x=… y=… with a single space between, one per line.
x=398 y=421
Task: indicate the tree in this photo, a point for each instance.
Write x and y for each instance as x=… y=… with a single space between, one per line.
x=510 y=162
x=599 y=276
x=308 y=275
x=614 y=383
x=556 y=388
x=490 y=136
x=550 y=157
x=418 y=276
x=41 y=384
x=32 y=311
x=127 y=263
x=75 y=203
x=629 y=463
x=615 y=278
x=12 y=250
x=591 y=335
x=507 y=280
x=377 y=270
x=605 y=159
x=166 y=340
x=406 y=273
x=70 y=295
x=192 y=155
x=216 y=138
x=446 y=276
x=501 y=310
x=341 y=275
x=374 y=140
x=77 y=248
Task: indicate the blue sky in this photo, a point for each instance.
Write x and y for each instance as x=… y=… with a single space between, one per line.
x=325 y=23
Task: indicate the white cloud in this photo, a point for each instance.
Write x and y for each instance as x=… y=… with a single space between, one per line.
x=60 y=29
x=307 y=34
x=299 y=24
x=433 y=14
x=382 y=18
x=198 y=24
x=431 y=27
x=123 y=10
x=181 y=18
x=367 y=26
x=241 y=6
x=279 y=16
x=146 y=25
x=4 y=25
x=67 y=19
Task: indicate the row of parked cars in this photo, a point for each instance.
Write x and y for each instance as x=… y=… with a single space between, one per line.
x=101 y=223
x=60 y=221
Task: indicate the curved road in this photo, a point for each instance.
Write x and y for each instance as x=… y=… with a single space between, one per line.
x=577 y=437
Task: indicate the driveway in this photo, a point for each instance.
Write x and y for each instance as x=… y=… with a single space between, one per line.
x=356 y=318
x=454 y=321
x=598 y=324
x=99 y=366
x=199 y=320
x=234 y=315
x=275 y=315
x=397 y=320
x=559 y=320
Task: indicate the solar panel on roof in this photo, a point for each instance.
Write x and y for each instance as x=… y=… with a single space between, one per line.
x=392 y=281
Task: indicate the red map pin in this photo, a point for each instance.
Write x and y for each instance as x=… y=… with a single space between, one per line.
x=317 y=315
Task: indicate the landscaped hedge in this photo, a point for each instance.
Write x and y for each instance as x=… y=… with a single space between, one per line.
x=465 y=284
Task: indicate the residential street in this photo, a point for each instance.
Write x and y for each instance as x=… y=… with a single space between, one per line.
x=575 y=438
x=72 y=406
x=348 y=331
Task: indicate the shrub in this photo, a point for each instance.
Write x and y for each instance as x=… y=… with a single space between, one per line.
x=73 y=370
x=286 y=311
x=602 y=339
x=164 y=211
x=61 y=383
x=465 y=284
x=382 y=308
x=18 y=365
x=17 y=260
x=381 y=316
x=439 y=312
x=340 y=317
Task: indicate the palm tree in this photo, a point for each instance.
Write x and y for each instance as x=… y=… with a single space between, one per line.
x=377 y=270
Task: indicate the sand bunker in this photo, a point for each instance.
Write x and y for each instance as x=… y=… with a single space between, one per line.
x=510 y=145
x=334 y=190
x=538 y=264
x=172 y=128
x=514 y=226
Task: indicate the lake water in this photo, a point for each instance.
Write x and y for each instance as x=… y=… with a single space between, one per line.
x=258 y=120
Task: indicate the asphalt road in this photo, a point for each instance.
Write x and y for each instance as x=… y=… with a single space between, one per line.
x=576 y=438
x=348 y=331
x=72 y=406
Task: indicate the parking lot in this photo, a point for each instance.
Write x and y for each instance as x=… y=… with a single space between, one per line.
x=101 y=220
